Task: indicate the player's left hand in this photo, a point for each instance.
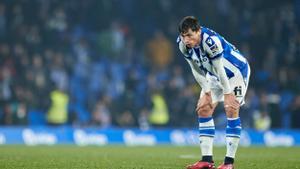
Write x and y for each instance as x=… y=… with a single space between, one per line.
x=204 y=105
x=230 y=103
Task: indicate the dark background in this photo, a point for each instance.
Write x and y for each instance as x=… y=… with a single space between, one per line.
x=109 y=57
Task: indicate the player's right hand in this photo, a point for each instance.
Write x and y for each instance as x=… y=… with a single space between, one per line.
x=204 y=103
x=231 y=105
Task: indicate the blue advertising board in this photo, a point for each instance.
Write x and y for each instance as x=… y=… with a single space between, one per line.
x=131 y=137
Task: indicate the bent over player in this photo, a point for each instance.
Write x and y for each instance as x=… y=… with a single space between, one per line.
x=223 y=74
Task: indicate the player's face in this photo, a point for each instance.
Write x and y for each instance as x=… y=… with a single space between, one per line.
x=191 y=38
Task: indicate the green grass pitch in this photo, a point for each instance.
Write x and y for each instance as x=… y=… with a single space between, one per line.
x=122 y=157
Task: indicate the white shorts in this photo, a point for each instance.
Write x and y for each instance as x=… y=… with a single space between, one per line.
x=238 y=85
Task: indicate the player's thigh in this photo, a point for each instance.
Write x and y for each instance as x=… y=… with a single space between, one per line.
x=216 y=92
x=207 y=110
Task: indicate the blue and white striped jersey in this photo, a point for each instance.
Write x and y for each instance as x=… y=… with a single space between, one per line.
x=211 y=47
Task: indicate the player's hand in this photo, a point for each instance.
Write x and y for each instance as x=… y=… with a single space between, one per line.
x=204 y=101
x=230 y=103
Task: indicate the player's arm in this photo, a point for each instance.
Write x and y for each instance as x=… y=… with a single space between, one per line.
x=215 y=50
x=219 y=67
x=204 y=102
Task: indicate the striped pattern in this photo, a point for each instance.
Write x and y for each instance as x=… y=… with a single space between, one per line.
x=234 y=62
x=233 y=128
x=206 y=126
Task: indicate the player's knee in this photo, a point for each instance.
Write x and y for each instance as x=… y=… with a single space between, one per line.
x=231 y=112
x=205 y=111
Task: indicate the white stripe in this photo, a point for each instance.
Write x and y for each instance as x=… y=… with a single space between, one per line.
x=207 y=124
x=238 y=56
x=204 y=128
x=230 y=66
x=237 y=127
x=233 y=118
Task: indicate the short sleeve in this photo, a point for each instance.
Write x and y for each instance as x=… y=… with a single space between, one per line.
x=213 y=46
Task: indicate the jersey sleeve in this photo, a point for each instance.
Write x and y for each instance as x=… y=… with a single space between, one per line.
x=218 y=64
x=213 y=46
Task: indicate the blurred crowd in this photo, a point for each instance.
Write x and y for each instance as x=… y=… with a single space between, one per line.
x=115 y=63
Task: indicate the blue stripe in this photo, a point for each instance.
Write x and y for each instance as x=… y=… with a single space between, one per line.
x=217 y=56
x=197 y=52
x=234 y=123
x=204 y=119
x=208 y=31
x=237 y=63
x=234 y=136
x=227 y=48
x=245 y=72
x=207 y=131
x=207 y=135
x=201 y=39
x=235 y=131
x=229 y=73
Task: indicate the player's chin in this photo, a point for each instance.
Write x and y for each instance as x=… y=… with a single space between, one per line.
x=189 y=46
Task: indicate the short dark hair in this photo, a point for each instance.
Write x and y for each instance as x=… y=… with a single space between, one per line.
x=188 y=22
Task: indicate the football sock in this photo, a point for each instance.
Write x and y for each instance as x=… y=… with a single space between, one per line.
x=233 y=133
x=206 y=135
x=228 y=160
x=207 y=158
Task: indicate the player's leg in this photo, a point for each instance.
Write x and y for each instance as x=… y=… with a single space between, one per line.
x=233 y=129
x=233 y=133
x=206 y=131
x=206 y=121
x=204 y=111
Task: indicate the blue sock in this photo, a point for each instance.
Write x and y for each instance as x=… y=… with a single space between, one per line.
x=233 y=128
x=206 y=126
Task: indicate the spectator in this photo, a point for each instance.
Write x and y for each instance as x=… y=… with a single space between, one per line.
x=101 y=113
x=127 y=56
x=159 y=50
x=262 y=121
x=58 y=111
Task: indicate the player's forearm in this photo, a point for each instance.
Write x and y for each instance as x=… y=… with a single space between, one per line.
x=218 y=64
